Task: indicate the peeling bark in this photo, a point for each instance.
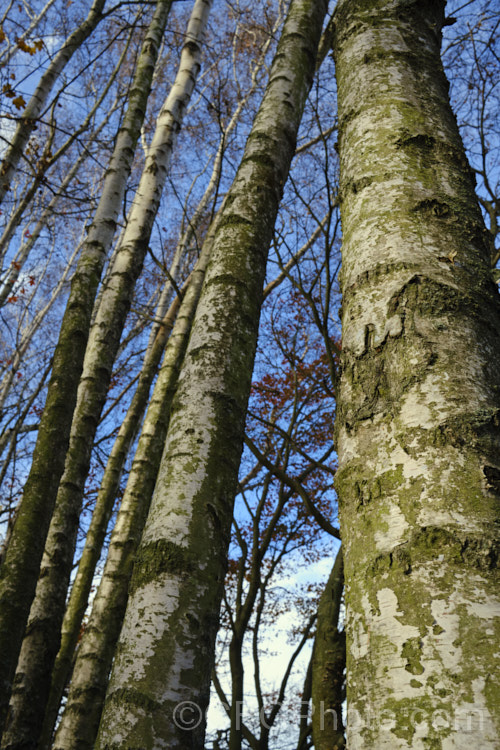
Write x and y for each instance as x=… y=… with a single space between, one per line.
x=418 y=411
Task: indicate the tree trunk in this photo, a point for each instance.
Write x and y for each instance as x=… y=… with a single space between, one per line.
x=304 y=725
x=42 y=640
x=188 y=240
x=96 y=533
x=328 y=665
x=165 y=652
x=80 y=721
x=20 y=570
x=418 y=411
x=237 y=691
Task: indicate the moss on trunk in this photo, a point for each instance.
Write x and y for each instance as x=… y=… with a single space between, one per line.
x=165 y=652
x=418 y=410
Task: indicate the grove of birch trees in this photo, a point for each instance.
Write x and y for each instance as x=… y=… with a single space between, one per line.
x=249 y=374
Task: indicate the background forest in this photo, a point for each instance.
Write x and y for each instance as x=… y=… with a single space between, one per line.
x=122 y=126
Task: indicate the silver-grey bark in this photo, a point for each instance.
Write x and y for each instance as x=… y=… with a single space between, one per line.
x=165 y=652
x=80 y=721
x=41 y=642
x=418 y=413
x=94 y=538
x=20 y=568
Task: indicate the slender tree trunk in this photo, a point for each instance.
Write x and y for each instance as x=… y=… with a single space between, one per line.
x=29 y=118
x=96 y=533
x=80 y=721
x=304 y=725
x=237 y=690
x=418 y=411
x=188 y=240
x=20 y=569
x=165 y=652
x=42 y=643
x=328 y=665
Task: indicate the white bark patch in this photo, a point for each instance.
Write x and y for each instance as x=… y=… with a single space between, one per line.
x=360 y=641
x=389 y=454
x=445 y=645
x=172 y=504
x=176 y=689
x=146 y=620
x=371 y=310
x=397 y=531
x=472 y=717
x=389 y=623
x=472 y=729
x=430 y=515
x=389 y=635
x=414 y=411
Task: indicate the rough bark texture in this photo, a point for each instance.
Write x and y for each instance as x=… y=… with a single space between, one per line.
x=418 y=412
x=80 y=721
x=20 y=569
x=96 y=533
x=165 y=651
x=41 y=643
x=328 y=664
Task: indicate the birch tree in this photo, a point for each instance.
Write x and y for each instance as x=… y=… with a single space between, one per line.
x=25 y=550
x=41 y=641
x=80 y=721
x=180 y=565
x=417 y=413
x=407 y=417
x=95 y=535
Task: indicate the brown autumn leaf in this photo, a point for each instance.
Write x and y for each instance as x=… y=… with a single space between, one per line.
x=19 y=102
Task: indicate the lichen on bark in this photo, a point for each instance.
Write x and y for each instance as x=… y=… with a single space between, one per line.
x=22 y=565
x=418 y=408
x=165 y=653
